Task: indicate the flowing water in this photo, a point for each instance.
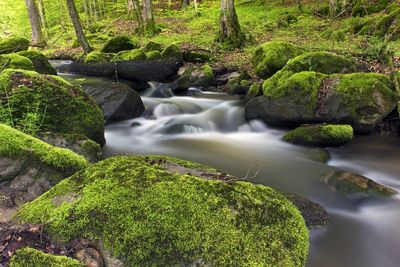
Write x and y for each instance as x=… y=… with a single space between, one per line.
x=211 y=129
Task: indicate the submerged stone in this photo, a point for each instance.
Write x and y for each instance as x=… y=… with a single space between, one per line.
x=156 y=211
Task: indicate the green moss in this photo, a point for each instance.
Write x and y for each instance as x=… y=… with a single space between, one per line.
x=196 y=56
x=362 y=7
x=120 y=43
x=148 y=215
x=40 y=62
x=153 y=46
x=99 y=57
x=60 y=107
x=13 y=45
x=320 y=135
x=14 y=61
x=255 y=90
x=29 y=257
x=272 y=56
x=300 y=87
x=135 y=54
x=322 y=62
x=14 y=143
x=365 y=93
x=153 y=55
x=173 y=52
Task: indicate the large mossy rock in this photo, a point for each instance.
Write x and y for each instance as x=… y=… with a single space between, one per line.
x=272 y=56
x=29 y=166
x=95 y=57
x=150 y=211
x=173 y=52
x=119 y=43
x=13 y=45
x=53 y=103
x=40 y=62
x=320 y=135
x=194 y=76
x=14 y=61
x=117 y=100
x=132 y=55
x=359 y=99
x=30 y=257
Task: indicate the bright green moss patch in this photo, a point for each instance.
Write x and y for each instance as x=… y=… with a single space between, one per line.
x=153 y=55
x=320 y=135
x=172 y=52
x=147 y=215
x=135 y=54
x=362 y=7
x=40 y=62
x=153 y=46
x=13 y=45
x=98 y=57
x=120 y=43
x=14 y=143
x=272 y=56
x=29 y=257
x=14 y=61
x=42 y=103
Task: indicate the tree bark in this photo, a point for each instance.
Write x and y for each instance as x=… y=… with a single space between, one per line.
x=36 y=25
x=229 y=27
x=149 y=26
x=42 y=13
x=73 y=13
x=332 y=8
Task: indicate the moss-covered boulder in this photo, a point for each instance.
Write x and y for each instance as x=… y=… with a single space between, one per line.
x=153 y=46
x=174 y=218
x=30 y=257
x=194 y=76
x=42 y=103
x=40 y=62
x=14 y=61
x=29 y=167
x=359 y=99
x=120 y=43
x=13 y=45
x=196 y=56
x=238 y=83
x=131 y=55
x=254 y=91
x=325 y=135
x=153 y=55
x=98 y=57
x=272 y=56
x=172 y=52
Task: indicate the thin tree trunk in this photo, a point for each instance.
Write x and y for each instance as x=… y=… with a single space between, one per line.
x=149 y=26
x=34 y=19
x=332 y=8
x=185 y=3
x=42 y=13
x=196 y=6
x=229 y=27
x=73 y=13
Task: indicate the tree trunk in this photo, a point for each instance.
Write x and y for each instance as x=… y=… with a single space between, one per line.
x=229 y=27
x=73 y=13
x=332 y=8
x=185 y=3
x=149 y=26
x=42 y=13
x=34 y=19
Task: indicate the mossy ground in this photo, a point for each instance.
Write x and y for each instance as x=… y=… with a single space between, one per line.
x=147 y=215
x=29 y=257
x=14 y=143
